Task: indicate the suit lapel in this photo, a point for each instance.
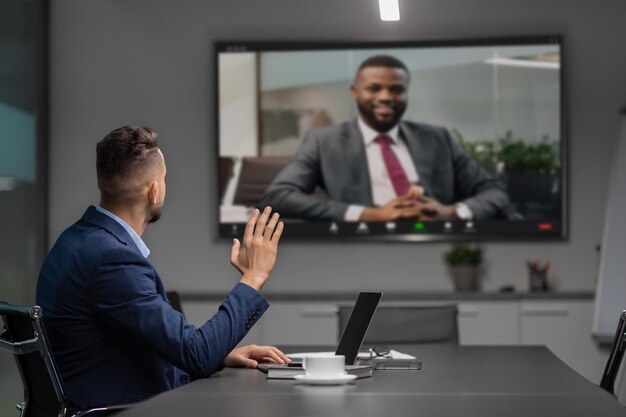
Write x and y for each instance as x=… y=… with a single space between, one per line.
x=99 y=219
x=352 y=147
x=96 y=218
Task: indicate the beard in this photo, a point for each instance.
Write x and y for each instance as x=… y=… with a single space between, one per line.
x=381 y=126
x=156 y=215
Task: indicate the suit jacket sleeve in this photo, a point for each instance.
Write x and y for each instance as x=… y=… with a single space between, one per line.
x=125 y=292
x=481 y=192
x=290 y=192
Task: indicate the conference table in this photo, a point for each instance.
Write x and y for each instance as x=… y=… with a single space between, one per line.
x=454 y=381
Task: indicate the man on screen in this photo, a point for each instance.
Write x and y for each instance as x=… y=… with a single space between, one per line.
x=114 y=335
x=380 y=168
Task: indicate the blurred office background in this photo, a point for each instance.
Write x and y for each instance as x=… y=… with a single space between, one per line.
x=23 y=214
x=97 y=65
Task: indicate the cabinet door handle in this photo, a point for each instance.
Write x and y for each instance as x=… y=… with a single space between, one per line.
x=319 y=311
x=533 y=311
x=468 y=311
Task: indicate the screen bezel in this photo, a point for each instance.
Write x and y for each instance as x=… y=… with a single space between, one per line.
x=225 y=230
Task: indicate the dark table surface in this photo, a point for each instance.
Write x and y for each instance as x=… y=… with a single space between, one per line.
x=465 y=381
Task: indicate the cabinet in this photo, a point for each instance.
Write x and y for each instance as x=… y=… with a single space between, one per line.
x=488 y=323
x=564 y=326
x=310 y=324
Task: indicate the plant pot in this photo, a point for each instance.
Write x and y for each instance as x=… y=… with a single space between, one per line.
x=466 y=277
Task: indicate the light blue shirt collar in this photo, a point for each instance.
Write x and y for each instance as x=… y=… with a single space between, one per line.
x=142 y=246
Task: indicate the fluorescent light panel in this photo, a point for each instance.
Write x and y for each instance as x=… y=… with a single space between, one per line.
x=512 y=62
x=389 y=10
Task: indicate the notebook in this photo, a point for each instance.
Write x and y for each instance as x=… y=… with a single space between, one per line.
x=349 y=345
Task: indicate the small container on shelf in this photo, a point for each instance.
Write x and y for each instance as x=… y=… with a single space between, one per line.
x=538 y=275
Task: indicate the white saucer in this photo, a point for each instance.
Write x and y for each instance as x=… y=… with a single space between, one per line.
x=325 y=379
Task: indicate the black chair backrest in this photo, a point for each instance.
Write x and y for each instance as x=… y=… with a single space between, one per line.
x=257 y=173
x=23 y=335
x=225 y=165
x=409 y=324
x=615 y=358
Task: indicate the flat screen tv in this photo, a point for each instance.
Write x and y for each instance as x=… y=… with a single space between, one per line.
x=412 y=140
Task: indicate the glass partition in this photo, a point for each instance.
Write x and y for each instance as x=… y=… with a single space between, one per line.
x=23 y=74
x=22 y=147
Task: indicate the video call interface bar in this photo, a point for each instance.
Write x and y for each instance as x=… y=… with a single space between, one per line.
x=413 y=230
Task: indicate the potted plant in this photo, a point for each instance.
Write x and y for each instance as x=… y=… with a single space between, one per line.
x=464 y=260
x=529 y=168
x=508 y=154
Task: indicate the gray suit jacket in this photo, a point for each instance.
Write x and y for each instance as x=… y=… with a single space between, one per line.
x=333 y=158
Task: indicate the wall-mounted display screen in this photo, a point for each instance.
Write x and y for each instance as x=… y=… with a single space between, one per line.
x=437 y=140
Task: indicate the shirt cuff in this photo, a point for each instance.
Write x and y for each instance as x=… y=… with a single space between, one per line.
x=353 y=214
x=463 y=212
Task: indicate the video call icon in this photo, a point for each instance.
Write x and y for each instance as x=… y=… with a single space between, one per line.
x=334 y=229
x=362 y=228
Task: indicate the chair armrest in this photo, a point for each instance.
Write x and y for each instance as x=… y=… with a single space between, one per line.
x=108 y=410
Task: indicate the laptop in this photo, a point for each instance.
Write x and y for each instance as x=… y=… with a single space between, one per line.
x=353 y=335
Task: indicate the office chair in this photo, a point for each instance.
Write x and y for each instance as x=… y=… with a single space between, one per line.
x=615 y=358
x=174 y=299
x=225 y=165
x=408 y=324
x=255 y=176
x=23 y=335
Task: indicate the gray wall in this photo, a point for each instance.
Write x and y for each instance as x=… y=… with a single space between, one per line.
x=119 y=62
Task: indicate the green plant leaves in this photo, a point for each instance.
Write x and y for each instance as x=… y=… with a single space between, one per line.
x=463 y=253
x=507 y=154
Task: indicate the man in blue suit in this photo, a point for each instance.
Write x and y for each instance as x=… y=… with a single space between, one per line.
x=112 y=331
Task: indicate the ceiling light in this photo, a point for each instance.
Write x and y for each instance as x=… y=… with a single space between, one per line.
x=389 y=10
x=526 y=63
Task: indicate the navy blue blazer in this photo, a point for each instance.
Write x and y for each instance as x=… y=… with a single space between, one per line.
x=113 y=333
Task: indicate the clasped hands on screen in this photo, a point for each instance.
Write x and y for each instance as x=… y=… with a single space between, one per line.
x=411 y=205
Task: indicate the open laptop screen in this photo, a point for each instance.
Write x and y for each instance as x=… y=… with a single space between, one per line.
x=359 y=321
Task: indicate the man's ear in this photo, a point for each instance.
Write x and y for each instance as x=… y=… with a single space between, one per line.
x=153 y=192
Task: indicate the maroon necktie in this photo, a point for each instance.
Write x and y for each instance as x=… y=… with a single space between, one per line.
x=398 y=177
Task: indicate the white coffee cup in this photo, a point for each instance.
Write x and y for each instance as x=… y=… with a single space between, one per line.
x=324 y=365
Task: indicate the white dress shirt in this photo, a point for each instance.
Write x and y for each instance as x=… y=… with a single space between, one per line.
x=382 y=187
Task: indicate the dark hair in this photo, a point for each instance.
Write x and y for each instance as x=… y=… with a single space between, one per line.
x=383 y=61
x=124 y=154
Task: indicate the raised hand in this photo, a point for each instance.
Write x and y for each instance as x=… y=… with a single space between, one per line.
x=256 y=255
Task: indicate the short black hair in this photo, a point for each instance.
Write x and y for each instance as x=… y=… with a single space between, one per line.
x=125 y=154
x=383 y=61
